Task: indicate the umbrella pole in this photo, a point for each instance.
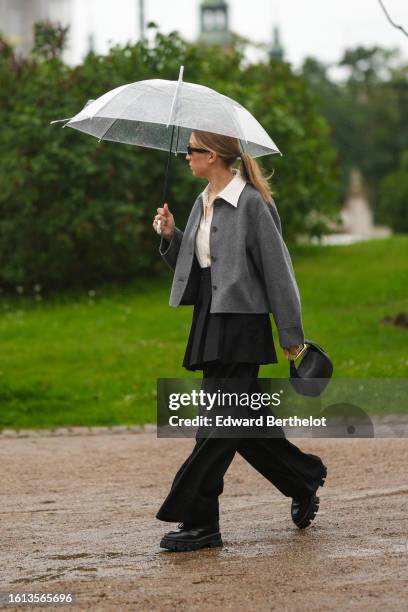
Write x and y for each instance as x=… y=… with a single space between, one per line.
x=166 y=176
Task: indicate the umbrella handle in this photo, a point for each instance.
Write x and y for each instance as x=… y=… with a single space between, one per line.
x=157 y=227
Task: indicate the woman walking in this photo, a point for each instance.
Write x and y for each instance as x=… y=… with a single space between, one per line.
x=231 y=262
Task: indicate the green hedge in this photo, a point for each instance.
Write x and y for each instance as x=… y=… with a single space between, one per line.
x=75 y=212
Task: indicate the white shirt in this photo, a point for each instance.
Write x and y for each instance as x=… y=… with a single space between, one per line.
x=230 y=193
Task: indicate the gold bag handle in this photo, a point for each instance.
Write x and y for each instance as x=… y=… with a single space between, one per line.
x=300 y=353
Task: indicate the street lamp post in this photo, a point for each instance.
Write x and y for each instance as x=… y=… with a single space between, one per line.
x=141 y=20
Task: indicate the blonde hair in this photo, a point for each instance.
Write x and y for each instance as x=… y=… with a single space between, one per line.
x=228 y=149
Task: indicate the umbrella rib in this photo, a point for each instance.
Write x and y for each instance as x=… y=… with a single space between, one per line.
x=108 y=128
x=239 y=128
x=120 y=118
x=180 y=80
x=178 y=134
x=121 y=88
x=60 y=120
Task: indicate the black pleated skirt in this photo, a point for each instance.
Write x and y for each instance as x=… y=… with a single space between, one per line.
x=226 y=337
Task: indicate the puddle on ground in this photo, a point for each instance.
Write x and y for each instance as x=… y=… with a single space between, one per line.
x=67 y=557
x=34 y=579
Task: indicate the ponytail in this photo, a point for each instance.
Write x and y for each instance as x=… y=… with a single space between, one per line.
x=253 y=174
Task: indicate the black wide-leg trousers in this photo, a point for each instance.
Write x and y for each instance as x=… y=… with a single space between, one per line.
x=197 y=485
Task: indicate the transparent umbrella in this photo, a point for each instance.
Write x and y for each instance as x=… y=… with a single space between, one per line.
x=161 y=114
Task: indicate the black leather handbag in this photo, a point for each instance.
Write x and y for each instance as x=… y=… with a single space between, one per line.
x=312 y=375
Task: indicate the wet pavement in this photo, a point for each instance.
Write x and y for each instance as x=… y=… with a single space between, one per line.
x=78 y=516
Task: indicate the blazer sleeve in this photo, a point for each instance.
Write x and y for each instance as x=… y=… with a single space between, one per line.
x=170 y=250
x=279 y=277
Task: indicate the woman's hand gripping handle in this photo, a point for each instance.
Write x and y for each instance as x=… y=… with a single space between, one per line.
x=164 y=223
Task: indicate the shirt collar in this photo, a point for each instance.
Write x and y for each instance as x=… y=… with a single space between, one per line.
x=232 y=191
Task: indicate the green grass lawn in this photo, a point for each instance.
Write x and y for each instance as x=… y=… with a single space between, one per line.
x=80 y=360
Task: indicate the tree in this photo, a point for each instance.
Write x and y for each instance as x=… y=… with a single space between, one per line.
x=367 y=111
x=74 y=211
x=50 y=40
x=307 y=174
x=393 y=201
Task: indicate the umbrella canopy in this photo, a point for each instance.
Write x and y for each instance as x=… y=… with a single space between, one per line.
x=161 y=114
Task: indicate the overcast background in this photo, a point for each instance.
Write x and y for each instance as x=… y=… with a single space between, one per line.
x=322 y=28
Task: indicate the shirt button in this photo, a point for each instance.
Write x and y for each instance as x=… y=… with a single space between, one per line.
x=215 y=287
x=214 y=229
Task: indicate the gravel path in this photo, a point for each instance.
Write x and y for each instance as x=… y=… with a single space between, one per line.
x=77 y=515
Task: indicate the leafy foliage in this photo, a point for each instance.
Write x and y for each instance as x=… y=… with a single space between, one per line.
x=78 y=212
x=368 y=113
x=393 y=201
x=49 y=40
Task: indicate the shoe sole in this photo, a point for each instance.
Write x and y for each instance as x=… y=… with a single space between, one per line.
x=209 y=541
x=313 y=508
x=323 y=478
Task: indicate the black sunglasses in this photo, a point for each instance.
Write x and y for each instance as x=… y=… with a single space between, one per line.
x=191 y=150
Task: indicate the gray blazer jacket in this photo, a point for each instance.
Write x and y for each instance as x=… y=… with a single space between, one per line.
x=251 y=269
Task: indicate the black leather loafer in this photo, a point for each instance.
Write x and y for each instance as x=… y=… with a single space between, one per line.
x=192 y=537
x=304 y=511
